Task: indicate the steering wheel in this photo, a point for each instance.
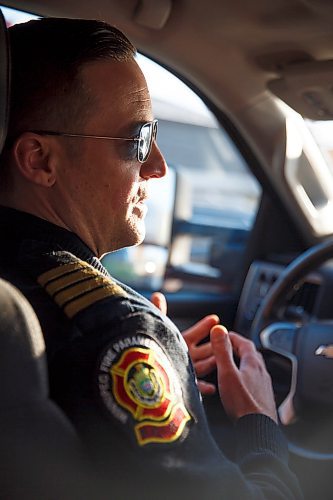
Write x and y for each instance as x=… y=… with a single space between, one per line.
x=307 y=412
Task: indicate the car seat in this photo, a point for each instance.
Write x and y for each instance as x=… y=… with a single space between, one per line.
x=40 y=453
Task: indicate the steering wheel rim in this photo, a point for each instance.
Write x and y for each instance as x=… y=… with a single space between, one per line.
x=261 y=332
x=302 y=265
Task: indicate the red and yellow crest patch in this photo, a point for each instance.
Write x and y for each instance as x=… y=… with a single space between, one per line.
x=144 y=384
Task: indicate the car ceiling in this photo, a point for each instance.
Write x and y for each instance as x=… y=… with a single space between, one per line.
x=229 y=49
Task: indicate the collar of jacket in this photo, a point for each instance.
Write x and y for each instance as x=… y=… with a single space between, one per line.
x=17 y=227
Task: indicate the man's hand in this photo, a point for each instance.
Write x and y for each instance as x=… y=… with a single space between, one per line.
x=159 y=300
x=243 y=390
x=202 y=355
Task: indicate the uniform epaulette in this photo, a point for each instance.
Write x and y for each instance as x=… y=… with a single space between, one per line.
x=73 y=283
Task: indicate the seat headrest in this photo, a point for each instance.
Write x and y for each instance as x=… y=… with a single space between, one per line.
x=4 y=80
x=22 y=351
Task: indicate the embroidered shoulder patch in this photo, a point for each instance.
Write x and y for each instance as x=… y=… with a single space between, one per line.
x=138 y=384
x=77 y=285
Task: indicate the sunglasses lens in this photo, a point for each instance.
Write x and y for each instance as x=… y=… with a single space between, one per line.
x=145 y=142
x=147 y=135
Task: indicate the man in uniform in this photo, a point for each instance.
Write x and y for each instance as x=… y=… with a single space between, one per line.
x=80 y=152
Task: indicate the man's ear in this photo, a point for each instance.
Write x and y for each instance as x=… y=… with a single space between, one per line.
x=33 y=153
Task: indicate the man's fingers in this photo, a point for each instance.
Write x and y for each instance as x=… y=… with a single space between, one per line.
x=205 y=366
x=201 y=329
x=206 y=388
x=202 y=352
x=159 y=300
x=241 y=345
x=222 y=348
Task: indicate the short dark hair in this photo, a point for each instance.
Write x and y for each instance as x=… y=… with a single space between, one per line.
x=46 y=56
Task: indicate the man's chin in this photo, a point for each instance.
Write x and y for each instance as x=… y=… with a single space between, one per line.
x=133 y=234
x=140 y=238
x=137 y=234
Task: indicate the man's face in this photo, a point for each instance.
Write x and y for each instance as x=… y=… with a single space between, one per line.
x=101 y=186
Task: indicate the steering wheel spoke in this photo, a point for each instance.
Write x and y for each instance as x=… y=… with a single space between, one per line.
x=281 y=339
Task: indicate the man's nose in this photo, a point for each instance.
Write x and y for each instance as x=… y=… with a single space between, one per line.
x=155 y=166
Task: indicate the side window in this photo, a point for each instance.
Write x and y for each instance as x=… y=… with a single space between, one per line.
x=13 y=16
x=207 y=203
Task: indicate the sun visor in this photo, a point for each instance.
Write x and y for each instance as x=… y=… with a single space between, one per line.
x=307 y=88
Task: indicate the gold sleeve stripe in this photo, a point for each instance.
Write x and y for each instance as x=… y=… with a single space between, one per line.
x=59 y=271
x=69 y=279
x=90 y=298
x=78 y=285
x=78 y=289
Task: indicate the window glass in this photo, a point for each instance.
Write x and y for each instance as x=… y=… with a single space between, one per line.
x=217 y=194
x=14 y=16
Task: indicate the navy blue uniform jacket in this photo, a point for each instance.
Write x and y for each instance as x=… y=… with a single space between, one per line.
x=121 y=372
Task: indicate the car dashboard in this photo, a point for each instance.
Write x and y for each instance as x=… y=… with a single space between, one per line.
x=306 y=299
